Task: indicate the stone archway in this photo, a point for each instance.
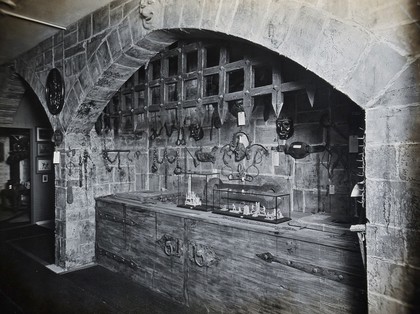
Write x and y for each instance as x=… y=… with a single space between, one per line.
x=100 y=52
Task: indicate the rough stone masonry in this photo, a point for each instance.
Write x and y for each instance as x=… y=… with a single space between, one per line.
x=369 y=50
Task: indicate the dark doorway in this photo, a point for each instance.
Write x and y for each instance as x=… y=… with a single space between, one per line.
x=15 y=177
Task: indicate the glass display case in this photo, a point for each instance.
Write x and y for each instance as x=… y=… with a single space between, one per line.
x=194 y=189
x=251 y=204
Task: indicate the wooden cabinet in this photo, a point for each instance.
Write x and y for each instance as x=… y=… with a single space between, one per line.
x=223 y=265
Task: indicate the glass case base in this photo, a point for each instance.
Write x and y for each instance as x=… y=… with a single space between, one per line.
x=251 y=217
x=204 y=208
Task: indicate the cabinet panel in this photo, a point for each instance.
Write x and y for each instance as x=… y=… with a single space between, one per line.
x=230 y=269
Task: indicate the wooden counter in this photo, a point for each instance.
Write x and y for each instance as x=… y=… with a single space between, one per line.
x=228 y=265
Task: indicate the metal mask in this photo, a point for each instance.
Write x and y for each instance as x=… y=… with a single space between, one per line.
x=196 y=131
x=284 y=128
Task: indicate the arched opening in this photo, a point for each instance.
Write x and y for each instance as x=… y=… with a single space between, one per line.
x=27 y=186
x=193 y=83
x=173 y=130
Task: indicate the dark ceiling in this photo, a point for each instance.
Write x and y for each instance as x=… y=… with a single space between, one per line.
x=18 y=35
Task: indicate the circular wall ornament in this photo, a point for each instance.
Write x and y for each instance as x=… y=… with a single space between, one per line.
x=54 y=91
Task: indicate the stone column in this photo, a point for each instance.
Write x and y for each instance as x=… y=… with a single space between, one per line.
x=393 y=197
x=75 y=205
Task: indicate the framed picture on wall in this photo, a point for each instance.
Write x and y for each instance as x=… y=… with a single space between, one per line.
x=44 y=149
x=43 y=165
x=43 y=135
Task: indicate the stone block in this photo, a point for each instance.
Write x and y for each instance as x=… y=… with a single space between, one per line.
x=143 y=55
x=141 y=180
x=58 y=52
x=310 y=176
x=60 y=251
x=114 y=76
x=171 y=14
x=115 y=16
x=94 y=68
x=104 y=56
x=70 y=40
x=339 y=9
x=84 y=27
x=100 y=20
x=88 y=250
x=266 y=135
x=104 y=176
x=406 y=37
x=60 y=228
x=315 y=201
x=209 y=14
x=381 y=162
x=121 y=187
x=340 y=46
x=114 y=44
x=70 y=29
x=48 y=57
x=46 y=44
x=101 y=190
x=87 y=232
x=405 y=90
x=285 y=166
x=412 y=243
x=58 y=37
x=298 y=205
x=137 y=29
x=393 y=203
x=191 y=14
x=248 y=10
x=303 y=35
x=392 y=280
x=154 y=182
x=393 y=125
x=60 y=195
x=85 y=79
x=78 y=63
x=74 y=50
x=117 y=3
x=340 y=179
x=69 y=108
x=131 y=7
x=121 y=175
x=226 y=13
x=409 y=162
x=373 y=73
x=380 y=304
x=125 y=34
x=385 y=243
x=385 y=16
x=93 y=44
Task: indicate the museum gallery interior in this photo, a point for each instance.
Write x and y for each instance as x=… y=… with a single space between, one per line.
x=246 y=156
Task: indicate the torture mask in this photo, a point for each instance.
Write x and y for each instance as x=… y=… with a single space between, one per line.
x=284 y=128
x=196 y=131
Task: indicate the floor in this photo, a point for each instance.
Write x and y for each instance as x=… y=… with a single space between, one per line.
x=27 y=286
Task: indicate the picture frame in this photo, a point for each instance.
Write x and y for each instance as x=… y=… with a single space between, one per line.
x=45 y=149
x=43 y=134
x=44 y=165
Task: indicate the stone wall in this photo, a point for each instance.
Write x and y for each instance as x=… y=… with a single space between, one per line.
x=369 y=50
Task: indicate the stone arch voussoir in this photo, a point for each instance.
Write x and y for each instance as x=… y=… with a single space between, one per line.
x=340 y=52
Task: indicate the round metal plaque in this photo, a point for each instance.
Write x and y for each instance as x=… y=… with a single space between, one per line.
x=55 y=91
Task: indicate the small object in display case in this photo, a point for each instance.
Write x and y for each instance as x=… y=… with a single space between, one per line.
x=193 y=190
x=249 y=203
